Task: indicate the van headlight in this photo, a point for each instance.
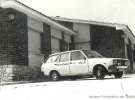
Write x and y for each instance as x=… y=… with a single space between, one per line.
x=115 y=62
x=127 y=63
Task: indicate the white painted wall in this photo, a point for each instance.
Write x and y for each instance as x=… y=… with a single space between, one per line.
x=83 y=37
x=67 y=38
x=83 y=32
x=56 y=36
x=34 y=48
x=55 y=45
x=34 y=24
x=34 y=42
x=56 y=33
x=83 y=46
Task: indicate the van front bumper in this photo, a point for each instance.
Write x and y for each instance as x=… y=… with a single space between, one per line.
x=117 y=68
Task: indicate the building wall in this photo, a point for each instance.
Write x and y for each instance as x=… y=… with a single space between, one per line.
x=13 y=43
x=85 y=45
x=56 y=38
x=129 y=50
x=13 y=38
x=66 y=23
x=24 y=41
x=55 y=45
x=67 y=38
x=134 y=67
x=82 y=39
x=35 y=28
x=42 y=40
x=56 y=33
x=46 y=40
x=107 y=41
x=129 y=53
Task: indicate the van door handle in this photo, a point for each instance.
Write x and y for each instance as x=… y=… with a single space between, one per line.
x=56 y=64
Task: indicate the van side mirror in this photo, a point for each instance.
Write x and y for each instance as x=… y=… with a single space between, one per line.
x=84 y=58
x=42 y=60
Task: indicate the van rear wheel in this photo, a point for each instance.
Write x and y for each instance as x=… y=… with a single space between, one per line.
x=118 y=74
x=54 y=76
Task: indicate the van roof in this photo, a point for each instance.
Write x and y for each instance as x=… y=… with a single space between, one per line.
x=66 y=52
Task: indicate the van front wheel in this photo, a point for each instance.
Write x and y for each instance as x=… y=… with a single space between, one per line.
x=100 y=73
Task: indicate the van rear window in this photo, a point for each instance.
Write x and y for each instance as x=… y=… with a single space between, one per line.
x=52 y=59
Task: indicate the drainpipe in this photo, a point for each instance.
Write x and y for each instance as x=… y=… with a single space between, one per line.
x=125 y=44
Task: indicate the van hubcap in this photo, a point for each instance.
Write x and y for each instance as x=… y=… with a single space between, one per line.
x=98 y=73
x=54 y=76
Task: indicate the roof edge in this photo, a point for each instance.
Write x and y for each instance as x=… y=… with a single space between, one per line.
x=34 y=14
x=116 y=25
x=86 y=21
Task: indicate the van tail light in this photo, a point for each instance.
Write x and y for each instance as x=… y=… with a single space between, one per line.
x=43 y=60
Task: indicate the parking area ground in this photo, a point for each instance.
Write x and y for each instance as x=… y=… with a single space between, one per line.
x=81 y=89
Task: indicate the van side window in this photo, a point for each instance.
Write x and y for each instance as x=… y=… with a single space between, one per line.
x=52 y=59
x=57 y=59
x=77 y=56
x=64 y=57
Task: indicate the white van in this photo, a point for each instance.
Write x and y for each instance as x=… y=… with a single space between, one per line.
x=82 y=62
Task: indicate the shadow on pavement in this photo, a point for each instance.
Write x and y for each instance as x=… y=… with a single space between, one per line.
x=92 y=79
x=40 y=80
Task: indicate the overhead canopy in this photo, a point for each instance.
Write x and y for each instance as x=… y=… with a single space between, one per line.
x=125 y=28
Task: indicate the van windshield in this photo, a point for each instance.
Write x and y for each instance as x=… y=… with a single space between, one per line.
x=92 y=54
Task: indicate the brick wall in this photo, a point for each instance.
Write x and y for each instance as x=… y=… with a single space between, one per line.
x=13 y=39
x=13 y=43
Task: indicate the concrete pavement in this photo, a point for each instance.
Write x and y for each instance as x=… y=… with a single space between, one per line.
x=81 y=89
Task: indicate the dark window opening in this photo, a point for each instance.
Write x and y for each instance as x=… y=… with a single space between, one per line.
x=63 y=44
x=72 y=44
x=46 y=40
